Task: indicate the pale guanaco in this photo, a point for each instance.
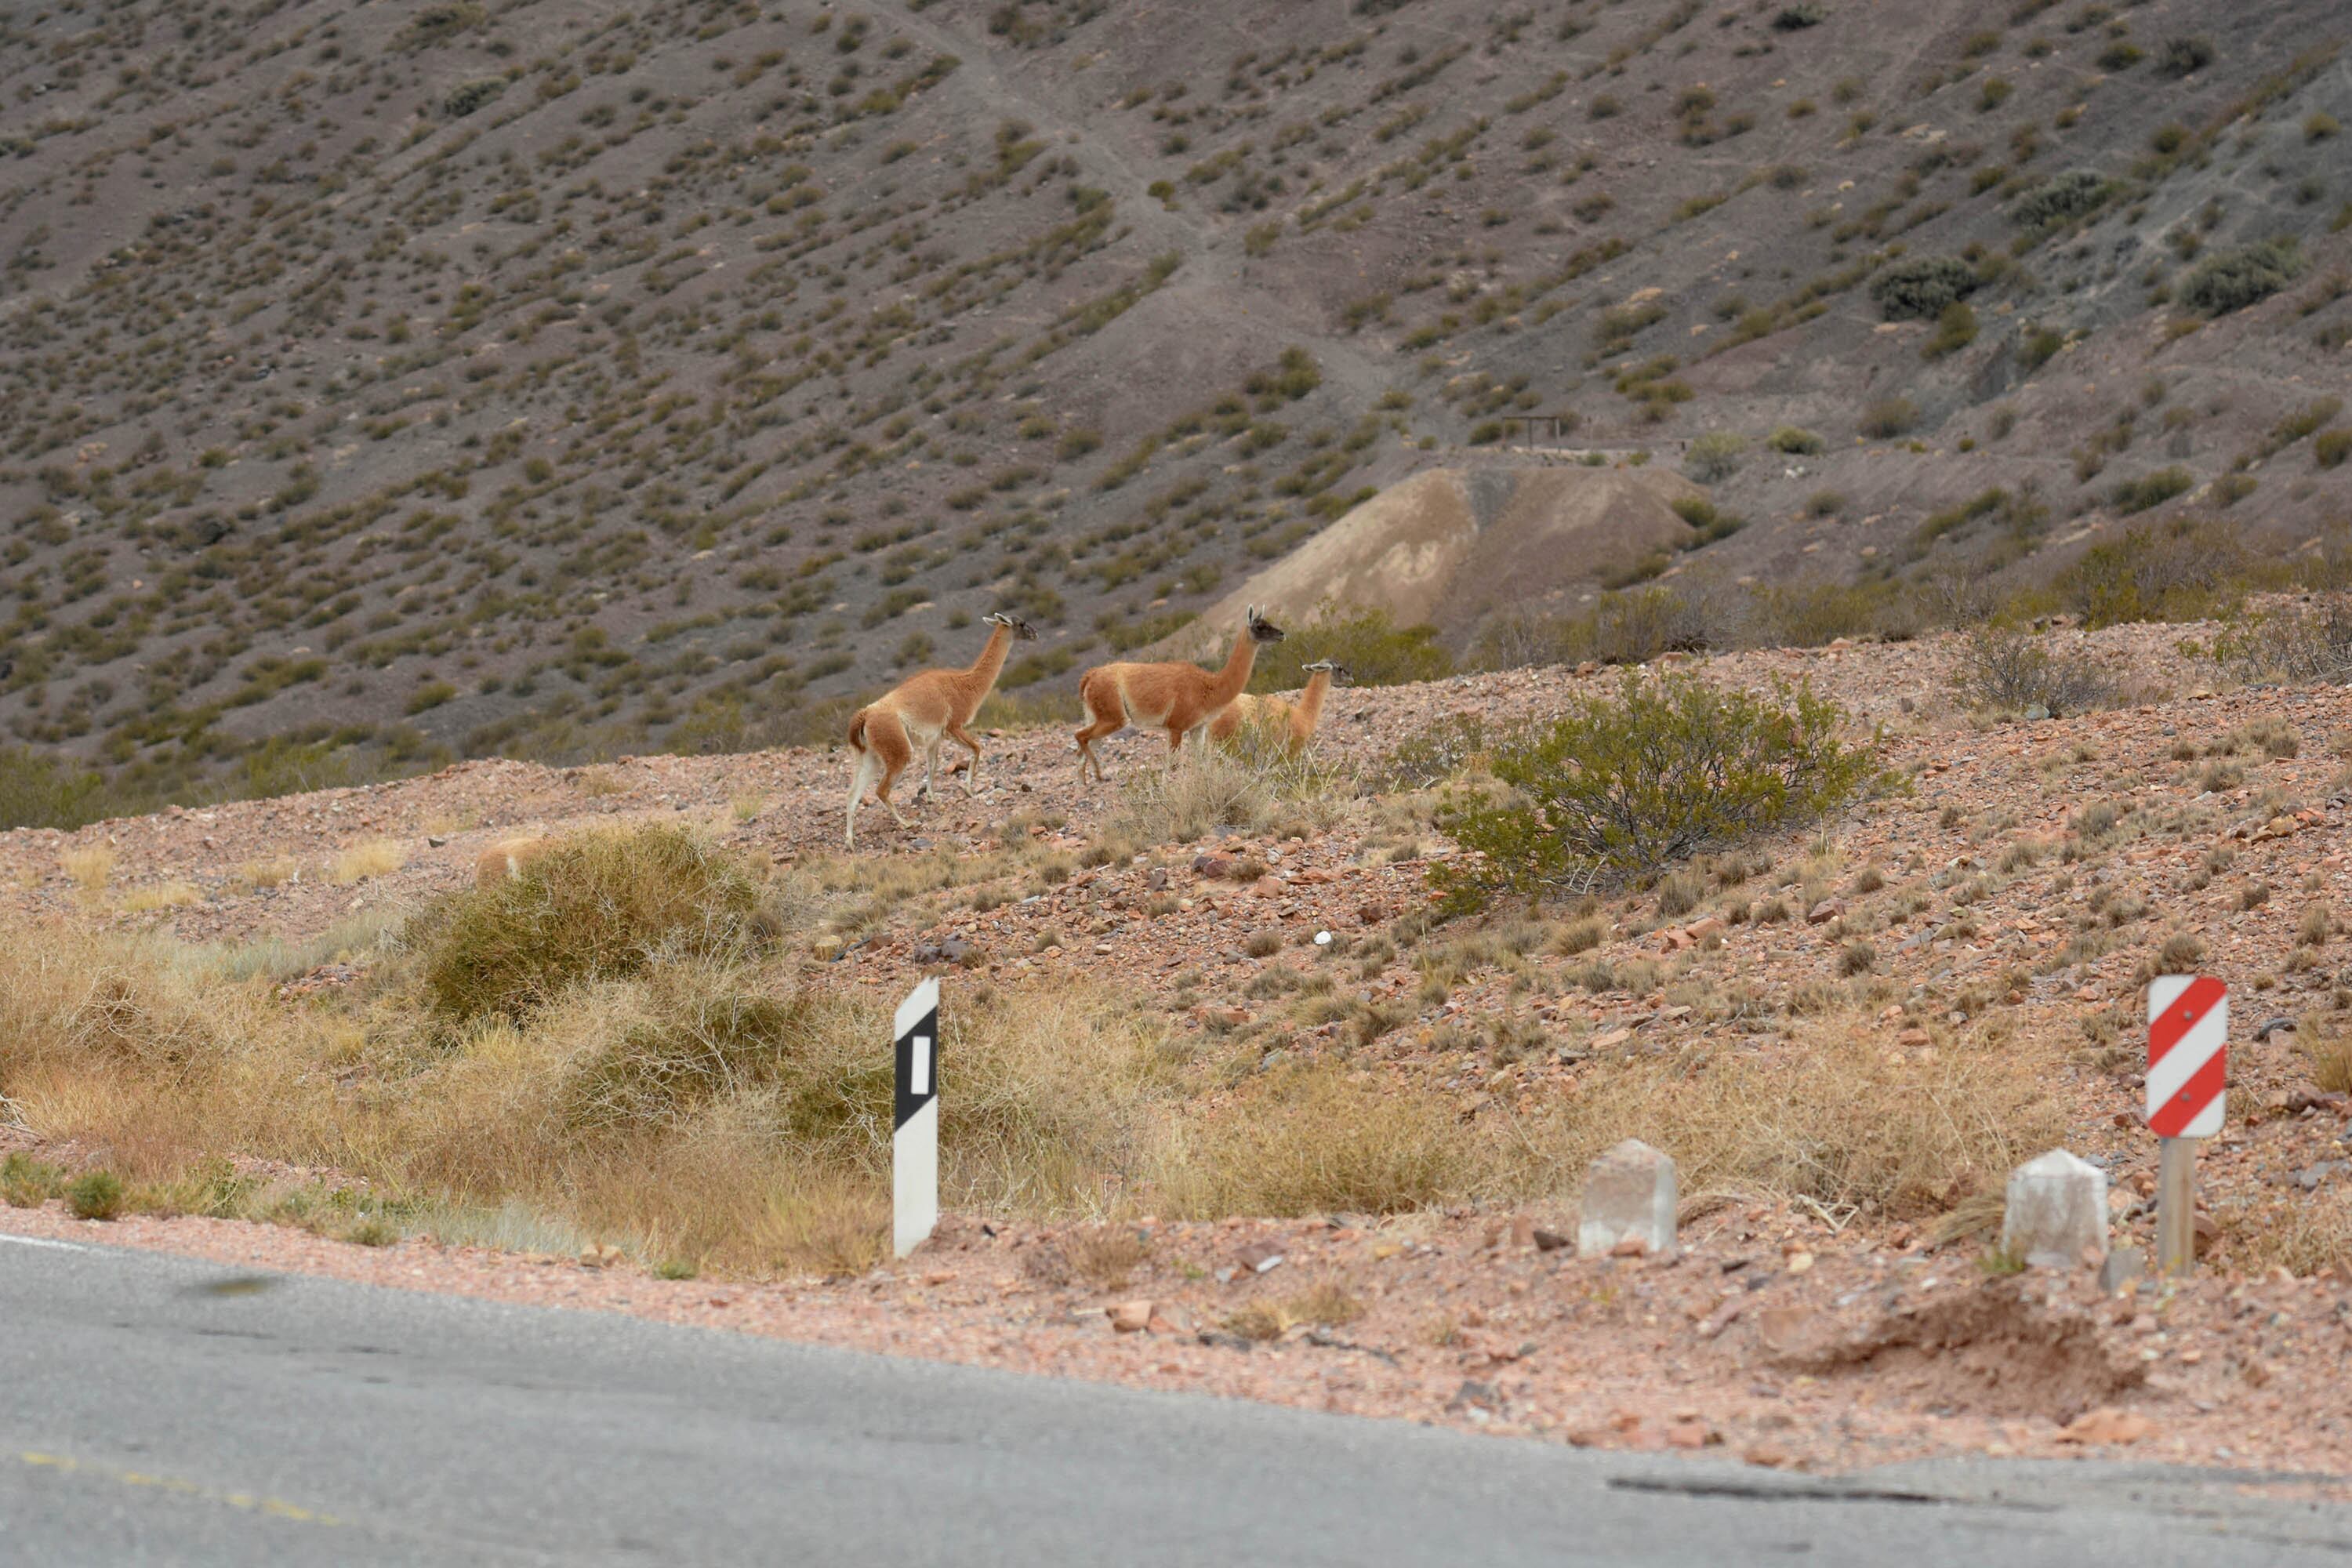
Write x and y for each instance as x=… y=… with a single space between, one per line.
x=1297 y=721
x=507 y=857
x=919 y=713
x=1181 y=698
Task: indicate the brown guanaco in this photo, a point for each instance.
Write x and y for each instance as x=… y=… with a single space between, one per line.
x=1181 y=699
x=918 y=715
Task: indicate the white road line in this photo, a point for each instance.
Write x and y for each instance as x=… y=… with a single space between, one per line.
x=44 y=1241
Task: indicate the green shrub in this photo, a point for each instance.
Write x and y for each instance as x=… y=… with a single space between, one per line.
x=1712 y=523
x=38 y=790
x=98 y=1196
x=2152 y=490
x=1956 y=329
x=1713 y=456
x=1796 y=440
x=1920 y=288
x=2233 y=279
x=594 y=907
x=2179 y=571
x=1371 y=646
x=2319 y=125
x=2332 y=447
x=27 y=1183
x=2062 y=196
x=1889 y=417
x=1668 y=767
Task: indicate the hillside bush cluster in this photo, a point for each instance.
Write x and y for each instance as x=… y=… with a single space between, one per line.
x=2233 y=279
x=2060 y=198
x=1919 y=289
x=2006 y=671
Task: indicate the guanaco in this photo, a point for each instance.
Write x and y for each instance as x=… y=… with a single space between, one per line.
x=507 y=857
x=920 y=713
x=1181 y=698
x=1297 y=721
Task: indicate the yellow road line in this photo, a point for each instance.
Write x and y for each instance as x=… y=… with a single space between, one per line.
x=272 y=1506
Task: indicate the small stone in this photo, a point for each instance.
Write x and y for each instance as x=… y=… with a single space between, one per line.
x=1548 y=1240
x=1259 y=1256
x=436 y=841
x=1266 y=888
x=1129 y=1316
x=1799 y=1262
x=1912 y=1037
x=1690 y=1435
x=1630 y=1194
x=1828 y=909
x=2056 y=1211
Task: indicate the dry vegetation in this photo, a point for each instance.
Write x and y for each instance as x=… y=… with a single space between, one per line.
x=610 y=1045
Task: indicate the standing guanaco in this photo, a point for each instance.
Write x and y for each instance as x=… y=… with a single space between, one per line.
x=1297 y=721
x=919 y=712
x=1181 y=698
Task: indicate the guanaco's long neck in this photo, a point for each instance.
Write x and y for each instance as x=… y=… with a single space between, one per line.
x=981 y=679
x=1309 y=711
x=1235 y=675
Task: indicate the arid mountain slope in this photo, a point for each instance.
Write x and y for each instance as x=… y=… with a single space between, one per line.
x=558 y=377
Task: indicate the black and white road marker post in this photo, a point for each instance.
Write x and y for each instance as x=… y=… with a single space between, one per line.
x=915 y=1121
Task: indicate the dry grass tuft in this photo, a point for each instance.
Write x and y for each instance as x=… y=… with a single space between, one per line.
x=160 y=896
x=1249 y=784
x=274 y=872
x=89 y=866
x=597 y=906
x=376 y=858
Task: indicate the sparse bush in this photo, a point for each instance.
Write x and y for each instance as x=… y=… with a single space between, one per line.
x=2301 y=643
x=1956 y=329
x=2181 y=56
x=2061 y=198
x=2329 y=449
x=594 y=907
x=469 y=96
x=1796 y=440
x=2152 y=490
x=2176 y=571
x=1667 y=767
x=1888 y=417
x=2013 y=673
x=1920 y=288
x=1713 y=456
x=2233 y=279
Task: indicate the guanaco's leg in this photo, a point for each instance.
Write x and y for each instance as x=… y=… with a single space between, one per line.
x=963 y=737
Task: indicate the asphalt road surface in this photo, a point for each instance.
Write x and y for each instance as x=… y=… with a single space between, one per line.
x=162 y=1409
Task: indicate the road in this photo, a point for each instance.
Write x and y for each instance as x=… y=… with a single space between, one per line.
x=162 y=1409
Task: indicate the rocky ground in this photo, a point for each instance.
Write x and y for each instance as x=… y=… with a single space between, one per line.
x=2024 y=884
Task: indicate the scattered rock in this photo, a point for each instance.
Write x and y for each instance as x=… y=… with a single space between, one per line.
x=1129 y=1316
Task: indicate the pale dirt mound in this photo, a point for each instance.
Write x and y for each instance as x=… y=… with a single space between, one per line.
x=1450 y=546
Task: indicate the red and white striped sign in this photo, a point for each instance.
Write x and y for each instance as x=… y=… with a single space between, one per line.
x=2187 y=1053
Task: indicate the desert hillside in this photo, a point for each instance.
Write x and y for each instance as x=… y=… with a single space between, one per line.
x=388 y=385
x=1243 y=1104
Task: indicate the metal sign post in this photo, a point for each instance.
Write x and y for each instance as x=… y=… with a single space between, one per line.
x=915 y=1120
x=2187 y=1075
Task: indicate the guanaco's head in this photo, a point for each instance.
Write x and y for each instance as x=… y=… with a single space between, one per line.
x=1339 y=675
x=1262 y=630
x=1019 y=628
